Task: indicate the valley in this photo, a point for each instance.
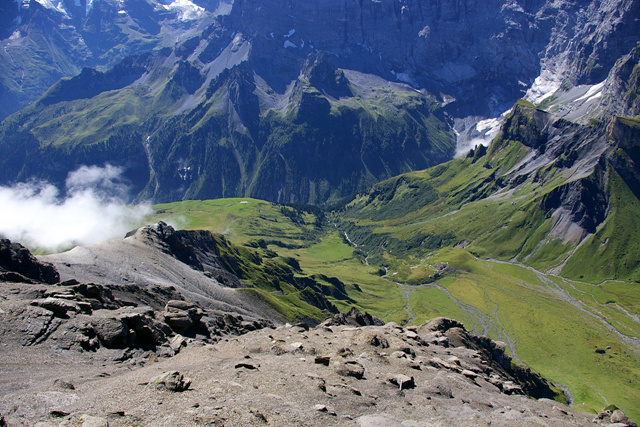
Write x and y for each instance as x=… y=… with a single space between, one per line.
x=370 y=213
x=551 y=323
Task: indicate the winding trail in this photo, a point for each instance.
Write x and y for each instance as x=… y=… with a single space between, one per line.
x=486 y=323
x=634 y=342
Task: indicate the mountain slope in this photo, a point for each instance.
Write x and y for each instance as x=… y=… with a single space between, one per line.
x=42 y=41
x=287 y=106
x=545 y=188
x=183 y=128
x=206 y=269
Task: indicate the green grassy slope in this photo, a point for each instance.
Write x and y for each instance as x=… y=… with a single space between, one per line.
x=549 y=323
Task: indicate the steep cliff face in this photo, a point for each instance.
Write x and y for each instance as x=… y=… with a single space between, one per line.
x=621 y=91
x=468 y=50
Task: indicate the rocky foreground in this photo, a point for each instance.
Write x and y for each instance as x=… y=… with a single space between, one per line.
x=75 y=354
x=432 y=375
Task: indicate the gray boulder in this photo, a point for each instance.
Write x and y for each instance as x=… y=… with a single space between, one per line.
x=171 y=381
x=182 y=315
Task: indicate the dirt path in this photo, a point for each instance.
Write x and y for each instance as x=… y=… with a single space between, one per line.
x=562 y=294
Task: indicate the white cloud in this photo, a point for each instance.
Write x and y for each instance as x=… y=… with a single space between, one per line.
x=93 y=210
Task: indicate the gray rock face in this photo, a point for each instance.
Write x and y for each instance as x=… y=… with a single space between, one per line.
x=620 y=94
x=475 y=49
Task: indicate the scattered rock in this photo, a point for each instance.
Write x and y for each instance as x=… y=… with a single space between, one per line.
x=58 y=305
x=411 y=335
x=171 y=381
x=347 y=387
x=63 y=385
x=509 y=387
x=469 y=374
x=351 y=369
x=112 y=331
x=182 y=315
x=414 y=365
x=177 y=343
x=441 y=324
x=246 y=365
x=619 y=417
x=302 y=325
x=259 y=415
x=322 y=360
x=439 y=387
x=611 y=415
x=379 y=341
x=402 y=381
x=353 y=318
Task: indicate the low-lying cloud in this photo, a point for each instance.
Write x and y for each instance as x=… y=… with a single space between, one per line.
x=92 y=210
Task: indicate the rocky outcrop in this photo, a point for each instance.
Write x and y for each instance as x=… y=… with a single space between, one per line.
x=171 y=381
x=585 y=201
x=196 y=248
x=182 y=315
x=18 y=264
x=353 y=317
x=87 y=317
x=613 y=416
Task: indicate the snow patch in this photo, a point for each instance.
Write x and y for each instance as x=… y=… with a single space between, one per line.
x=16 y=35
x=291 y=32
x=186 y=10
x=545 y=85
x=122 y=12
x=485 y=131
x=593 y=93
x=287 y=44
x=58 y=6
x=404 y=77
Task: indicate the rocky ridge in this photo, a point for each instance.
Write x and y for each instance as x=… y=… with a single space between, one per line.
x=131 y=319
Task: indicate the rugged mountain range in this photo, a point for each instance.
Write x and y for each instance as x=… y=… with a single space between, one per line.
x=42 y=40
x=309 y=102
